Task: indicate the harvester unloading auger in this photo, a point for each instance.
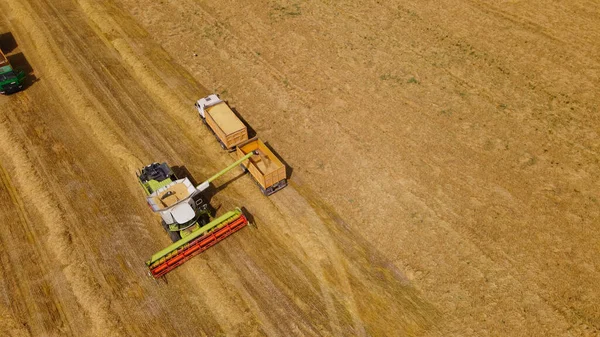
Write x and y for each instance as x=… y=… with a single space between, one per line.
x=185 y=216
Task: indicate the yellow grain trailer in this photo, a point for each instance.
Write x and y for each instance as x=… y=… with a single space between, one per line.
x=222 y=121
x=266 y=169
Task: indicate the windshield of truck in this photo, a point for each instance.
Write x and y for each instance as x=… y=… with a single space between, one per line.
x=7 y=76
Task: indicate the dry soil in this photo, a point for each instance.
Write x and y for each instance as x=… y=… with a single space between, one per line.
x=443 y=161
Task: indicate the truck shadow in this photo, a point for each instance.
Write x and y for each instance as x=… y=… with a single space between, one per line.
x=288 y=168
x=7 y=42
x=209 y=193
x=19 y=62
x=251 y=131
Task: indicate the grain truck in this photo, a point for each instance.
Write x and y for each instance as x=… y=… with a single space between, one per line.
x=222 y=121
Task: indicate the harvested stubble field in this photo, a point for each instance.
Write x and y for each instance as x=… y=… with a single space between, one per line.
x=444 y=167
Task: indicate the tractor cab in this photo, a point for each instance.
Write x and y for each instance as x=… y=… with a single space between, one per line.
x=10 y=81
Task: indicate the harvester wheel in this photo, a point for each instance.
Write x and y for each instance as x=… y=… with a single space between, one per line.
x=252 y=225
x=175 y=236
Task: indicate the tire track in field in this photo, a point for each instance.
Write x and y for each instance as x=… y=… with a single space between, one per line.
x=11 y=281
x=20 y=264
x=345 y=289
x=9 y=325
x=111 y=30
x=122 y=46
x=61 y=75
x=29 y=183
x=146 y=62
x=107 y=28
x=525 y=24
x=428 y=205
x=28 y=179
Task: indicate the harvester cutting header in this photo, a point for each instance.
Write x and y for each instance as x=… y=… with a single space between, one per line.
x=185 y=215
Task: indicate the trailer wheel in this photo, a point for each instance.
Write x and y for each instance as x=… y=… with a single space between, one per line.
x=274 y=188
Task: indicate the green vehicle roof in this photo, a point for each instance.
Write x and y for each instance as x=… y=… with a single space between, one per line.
x=6 y=69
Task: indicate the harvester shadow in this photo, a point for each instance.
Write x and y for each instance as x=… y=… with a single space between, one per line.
x=162 y=279
x=19 y=62
x=212 y=191
x=249 y=216
x=225 y=184
x=182 y=172
x=288 y=168
x=251 y=131
x=207 y=195
x=8 y=42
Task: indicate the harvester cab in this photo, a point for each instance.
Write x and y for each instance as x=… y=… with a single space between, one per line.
x=155 y=176
x=185 y=216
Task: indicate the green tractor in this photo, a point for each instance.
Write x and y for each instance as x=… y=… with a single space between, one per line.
x=11 y=80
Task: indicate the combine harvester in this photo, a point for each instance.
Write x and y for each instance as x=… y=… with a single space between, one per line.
x=185 y=216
